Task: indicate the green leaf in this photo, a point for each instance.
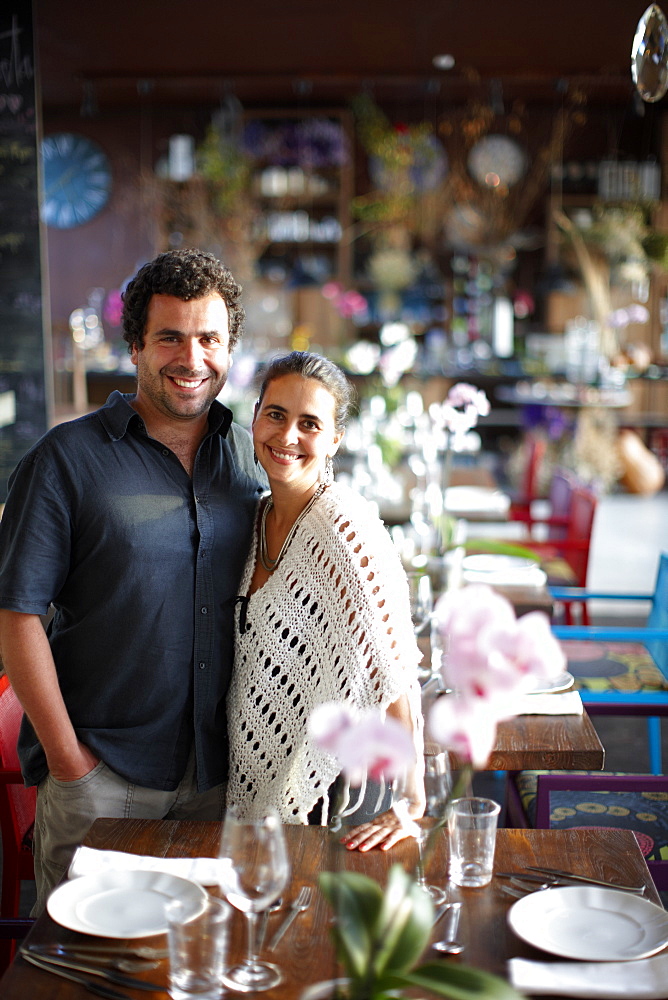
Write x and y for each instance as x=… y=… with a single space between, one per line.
x=356 y=901
x=459 y=982
x=404 y=924
x=499 y=548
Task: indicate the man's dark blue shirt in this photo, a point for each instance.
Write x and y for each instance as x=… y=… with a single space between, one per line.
x=141 y=564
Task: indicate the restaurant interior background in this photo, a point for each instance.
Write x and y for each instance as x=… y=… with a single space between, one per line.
x=427 y=192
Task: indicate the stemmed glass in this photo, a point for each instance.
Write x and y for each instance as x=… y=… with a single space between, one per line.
x=256 y=874
x=437 y=785
x=421 y=598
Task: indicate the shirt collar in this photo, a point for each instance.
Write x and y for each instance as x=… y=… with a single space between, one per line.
x=117 y=413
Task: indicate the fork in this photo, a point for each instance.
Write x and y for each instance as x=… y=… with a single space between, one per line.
x=111 y=960
x=300 y=904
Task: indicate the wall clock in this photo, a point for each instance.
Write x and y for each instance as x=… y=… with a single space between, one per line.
x=76 y=179
x=497 y=159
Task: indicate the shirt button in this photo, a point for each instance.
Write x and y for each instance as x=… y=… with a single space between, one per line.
x=196 y=499
x=202 y=666
x=165 y=452
x=204 y=610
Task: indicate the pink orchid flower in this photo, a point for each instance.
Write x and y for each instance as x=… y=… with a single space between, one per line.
x=464 y=395
x=365 y=746
x=459 y=413
x=468 y=728
x=492 y=658
x=328 y=724
x=490 y=651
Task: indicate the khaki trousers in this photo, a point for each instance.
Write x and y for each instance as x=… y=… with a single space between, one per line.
x=66 y=810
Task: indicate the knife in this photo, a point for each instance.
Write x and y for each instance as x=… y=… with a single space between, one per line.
x=528 y=877
x=559 y=873
x=94 y=970
x=97 y=988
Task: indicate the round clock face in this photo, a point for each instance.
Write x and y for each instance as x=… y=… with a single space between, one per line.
x=495 y=160
x=77 y=180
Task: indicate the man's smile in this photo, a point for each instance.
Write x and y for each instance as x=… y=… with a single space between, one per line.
x=188 y=383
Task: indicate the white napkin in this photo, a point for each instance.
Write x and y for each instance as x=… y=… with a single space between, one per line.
x=88 y=860
x=644 y=979
x=475 y=498
x=566 y=703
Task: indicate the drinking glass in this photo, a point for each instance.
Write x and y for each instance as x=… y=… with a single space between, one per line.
x=197 y=948
x=437 y=783
x=472 y=824
x=256 y=874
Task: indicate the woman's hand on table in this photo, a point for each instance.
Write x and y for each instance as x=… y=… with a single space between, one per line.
x=384 y=831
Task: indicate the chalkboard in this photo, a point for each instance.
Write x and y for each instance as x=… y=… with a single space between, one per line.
x=23 y=374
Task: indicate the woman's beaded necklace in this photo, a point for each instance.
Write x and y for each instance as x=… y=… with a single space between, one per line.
x=267 y=562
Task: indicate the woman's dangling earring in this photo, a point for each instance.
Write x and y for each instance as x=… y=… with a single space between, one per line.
x=255 y=458
x=328 y=477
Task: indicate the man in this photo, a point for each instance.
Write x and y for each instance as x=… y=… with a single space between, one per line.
x=133 y=522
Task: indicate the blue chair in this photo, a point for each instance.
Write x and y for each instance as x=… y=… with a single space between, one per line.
x=629 y=673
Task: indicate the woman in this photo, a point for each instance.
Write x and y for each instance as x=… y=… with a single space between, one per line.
x=324 y=614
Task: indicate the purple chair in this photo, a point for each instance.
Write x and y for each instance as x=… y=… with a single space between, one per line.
x=565 y=799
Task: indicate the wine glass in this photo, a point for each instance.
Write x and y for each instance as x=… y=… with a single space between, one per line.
x=421 y=598
x=437 y=784
x=256 y=874
x=438 y=651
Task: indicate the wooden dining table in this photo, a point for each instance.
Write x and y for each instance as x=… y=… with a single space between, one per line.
x=305 y=953
x=547 y=742
x=538 y=742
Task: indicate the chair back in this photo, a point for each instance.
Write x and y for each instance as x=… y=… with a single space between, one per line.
x=658 y=616
x=562 y=485
x=535 y=448
x=578 y=540
x=17 y=803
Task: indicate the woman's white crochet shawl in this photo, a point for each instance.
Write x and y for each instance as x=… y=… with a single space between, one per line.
x=332 y=623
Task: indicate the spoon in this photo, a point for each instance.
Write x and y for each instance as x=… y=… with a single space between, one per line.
x=448 y=944
x=520 y=888
x=272 y=908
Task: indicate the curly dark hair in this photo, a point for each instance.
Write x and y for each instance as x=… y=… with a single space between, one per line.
x=186 y=274
x=322 y=370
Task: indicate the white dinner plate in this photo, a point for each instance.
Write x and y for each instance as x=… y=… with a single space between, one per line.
x=590 y=924
x=560 y=683
x=496 y=562
x=122 y=904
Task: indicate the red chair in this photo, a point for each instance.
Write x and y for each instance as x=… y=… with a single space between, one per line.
x=17 y=815
x=554 y=524
x=520 y=507
x=566 y=559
